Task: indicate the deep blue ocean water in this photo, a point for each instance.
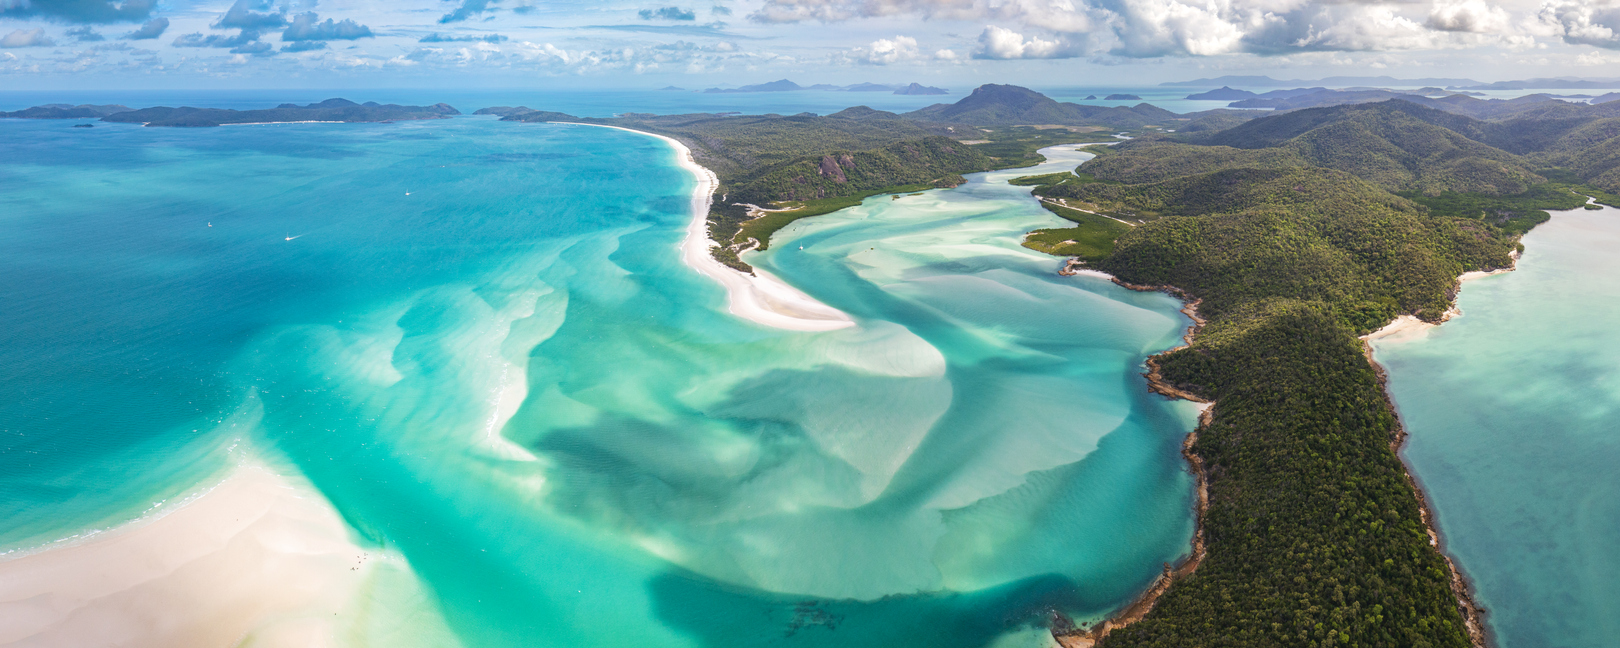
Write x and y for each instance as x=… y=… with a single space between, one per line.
x=477 y=341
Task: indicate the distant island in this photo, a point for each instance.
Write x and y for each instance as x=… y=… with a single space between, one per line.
x=920 y=89
x=1564 y=83
x=1339 y=81
x=1122 y=97
x=785 y=85
x=66 y=111
x=1224 y=93
x=331 y=110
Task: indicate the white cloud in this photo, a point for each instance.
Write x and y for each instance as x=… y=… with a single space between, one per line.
x=26 y=38
x=884 y=51
x=1583 y=23
x=1374 y=28
x=1000 y=43
x=1158 y=28
x=1473 y=16
x=1145 y=28
x=1595 y=58
x=791 y=11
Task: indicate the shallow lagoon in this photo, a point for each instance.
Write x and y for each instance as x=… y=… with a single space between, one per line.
x=1513 y=412
x=477 y=341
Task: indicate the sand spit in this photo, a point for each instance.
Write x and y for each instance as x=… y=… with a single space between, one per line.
x=257 y=559
x=759 y=297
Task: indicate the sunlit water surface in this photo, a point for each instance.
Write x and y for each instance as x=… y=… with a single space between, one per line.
x=477 y=340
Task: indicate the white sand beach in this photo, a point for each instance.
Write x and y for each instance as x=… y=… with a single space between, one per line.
x=1408 y=327
x=760 y=297
x=257 y=559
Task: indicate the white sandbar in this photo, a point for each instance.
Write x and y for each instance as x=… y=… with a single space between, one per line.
x=760 y=297
x=256 y=560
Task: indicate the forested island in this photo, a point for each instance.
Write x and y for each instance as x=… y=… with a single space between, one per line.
x=331 y=110
x=1292 y=233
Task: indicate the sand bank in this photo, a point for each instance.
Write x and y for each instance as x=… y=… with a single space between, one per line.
x=760 y=297
x=1407 y=327
x=257 y=558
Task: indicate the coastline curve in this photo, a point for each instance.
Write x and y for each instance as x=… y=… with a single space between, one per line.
x=760 y=297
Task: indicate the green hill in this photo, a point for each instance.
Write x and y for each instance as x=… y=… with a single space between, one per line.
x=1009 y=105
x=733 y=145
x=1397 y=145
x=1149 y=160
x=1313 y=532
x=934 y=161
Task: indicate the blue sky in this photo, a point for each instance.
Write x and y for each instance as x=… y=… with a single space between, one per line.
x=539 y=43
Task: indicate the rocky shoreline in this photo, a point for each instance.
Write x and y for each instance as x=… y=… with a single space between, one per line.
x=1462 y=588
x=1070 y=636
x=1064 y=631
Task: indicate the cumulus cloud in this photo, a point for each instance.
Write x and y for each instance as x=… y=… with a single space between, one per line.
x=468 y=9
x=26 y=38
x=440 y=38
x=667 y=13
x=1157 y=28
x=85 y=35
x=1341 y=28
x=548 y=58
x=216 y=40
x=256 y=48
x=883 y=51
x=308 y=27
x=244 y=15
x=1583 y=23
x=1001 y=43
x=152 y=29
x=1472 y=16
x=720 y=10
x=304 y=46
x=79 y=11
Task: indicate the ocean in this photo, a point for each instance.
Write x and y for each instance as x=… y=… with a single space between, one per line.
x=1513 y=411
x=473 y=349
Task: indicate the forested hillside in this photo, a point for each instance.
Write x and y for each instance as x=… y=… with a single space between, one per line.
x=1008 y=105
x=1296 y=233
x=1396 y=145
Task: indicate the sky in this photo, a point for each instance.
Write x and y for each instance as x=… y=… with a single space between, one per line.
x=51 y=44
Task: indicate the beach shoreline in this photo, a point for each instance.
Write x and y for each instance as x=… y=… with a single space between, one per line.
x=1406 y=328
x=252 y=557
x=759 y=297
x=1409 y=326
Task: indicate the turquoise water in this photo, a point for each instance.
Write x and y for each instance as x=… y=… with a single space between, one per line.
x=1514 y=416
x=477 y=340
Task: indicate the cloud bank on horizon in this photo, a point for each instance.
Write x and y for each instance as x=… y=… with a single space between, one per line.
x=717 y=40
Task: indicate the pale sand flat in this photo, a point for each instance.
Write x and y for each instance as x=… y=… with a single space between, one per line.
x=257 y=557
